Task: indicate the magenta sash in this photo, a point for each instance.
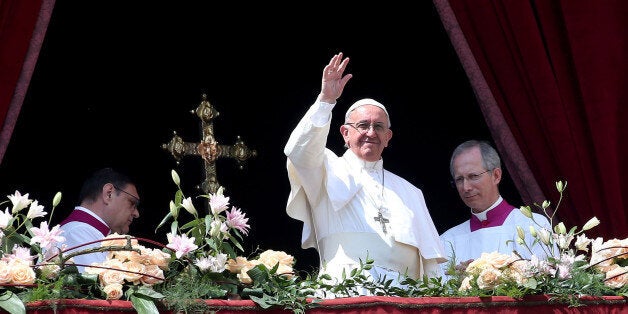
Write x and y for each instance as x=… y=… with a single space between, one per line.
x=495 y=217
x=81 y=216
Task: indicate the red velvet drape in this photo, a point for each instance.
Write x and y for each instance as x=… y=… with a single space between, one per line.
x=555 y=72
x=23 y=25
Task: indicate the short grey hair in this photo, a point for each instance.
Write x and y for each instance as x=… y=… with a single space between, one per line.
x=490 y=158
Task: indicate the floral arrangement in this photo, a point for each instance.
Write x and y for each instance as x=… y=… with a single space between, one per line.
x=199 y=260
x=574 y=266
x=204 y=259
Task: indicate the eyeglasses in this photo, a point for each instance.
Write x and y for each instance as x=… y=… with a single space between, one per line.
x=472 y=177
x=135 y=201
x=364 y=127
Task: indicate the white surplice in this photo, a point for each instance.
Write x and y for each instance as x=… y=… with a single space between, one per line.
x=338 y=198
x=463 y=244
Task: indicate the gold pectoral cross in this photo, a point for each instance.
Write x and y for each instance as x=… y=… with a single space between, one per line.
x=382 y=221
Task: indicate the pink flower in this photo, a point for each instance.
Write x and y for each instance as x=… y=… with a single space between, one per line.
x=236 y=220
x=21 y=254
x=181 y=244
x=218 y=203
x=46 y=238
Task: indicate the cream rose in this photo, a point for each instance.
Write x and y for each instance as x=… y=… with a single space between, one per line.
x=243 y=276
x=113 y=291
x=498 y=260
x=620 y=280
x=235 y=265
x=5 y=273
x=134 y=271
x=22 y=274
x=152 y=273
x=466 y=283
x=285 y=270
x=489 y=278
x=159 y=258
x=111 y=240
x=270 y=258
x=111 y=276
x=143 y=257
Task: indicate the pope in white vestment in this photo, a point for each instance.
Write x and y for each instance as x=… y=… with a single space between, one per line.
x=338 y=198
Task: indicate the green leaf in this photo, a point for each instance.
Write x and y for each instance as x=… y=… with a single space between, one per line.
x=236 y=243
x=263 y=302
x=192 y=224
x=258 y=274
x=163 y=221
x=208 y=222
x=227 y=249
x=28 y=225
x=174 y=227
x=23 y=238
x=252 y=292
x=148 y=292
x=178 y=197
x=143 y=305
x=10 y=302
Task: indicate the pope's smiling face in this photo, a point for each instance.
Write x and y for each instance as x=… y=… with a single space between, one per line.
x=366 y=132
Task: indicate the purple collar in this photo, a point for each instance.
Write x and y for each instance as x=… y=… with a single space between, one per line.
x=495 y=217
x=81 y=216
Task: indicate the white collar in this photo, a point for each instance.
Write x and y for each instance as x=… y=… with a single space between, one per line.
x=482 y=215
x=355 y=161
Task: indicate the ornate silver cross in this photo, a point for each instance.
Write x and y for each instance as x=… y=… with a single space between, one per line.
x=382 y=221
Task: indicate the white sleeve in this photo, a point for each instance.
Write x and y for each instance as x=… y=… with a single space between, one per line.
x=322 y=114
x=78 y=233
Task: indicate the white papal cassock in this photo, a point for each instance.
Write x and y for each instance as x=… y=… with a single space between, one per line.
x=337 y=199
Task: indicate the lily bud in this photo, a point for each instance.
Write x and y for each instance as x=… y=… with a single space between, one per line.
x=544 y=235
x=56 y=200
x=189 y=206
x=175 y=177
x=520 y=233
x=545 y=204
x=564 y=241
x=526 y=211
x=174 y=210
x=214 y=229
x=591 y=223
x=560 y=186
x=533 y=231
x=221 y=191
x=560 y=228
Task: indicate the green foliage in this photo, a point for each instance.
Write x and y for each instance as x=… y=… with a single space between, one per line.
x=189 y=287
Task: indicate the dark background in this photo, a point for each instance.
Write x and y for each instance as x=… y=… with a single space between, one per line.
x=114 y=80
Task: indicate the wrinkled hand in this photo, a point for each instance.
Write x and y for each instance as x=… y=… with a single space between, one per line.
x=333 y=80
